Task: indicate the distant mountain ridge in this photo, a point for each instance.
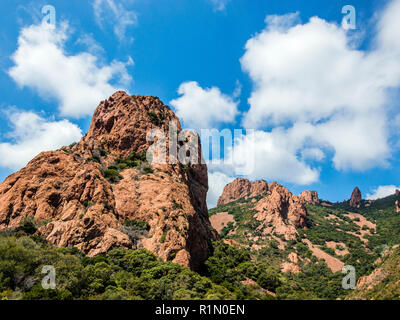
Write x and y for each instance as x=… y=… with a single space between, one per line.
x=325 y=236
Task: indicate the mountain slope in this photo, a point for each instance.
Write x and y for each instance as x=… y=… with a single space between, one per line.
x=331 y=236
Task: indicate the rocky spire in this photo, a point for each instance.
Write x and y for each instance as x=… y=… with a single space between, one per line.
x=240 y=188
x=309 y=197
x=355 y=200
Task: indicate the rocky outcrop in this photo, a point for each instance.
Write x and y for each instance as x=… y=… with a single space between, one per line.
x=355 y=200
x=241 y=188
x=292 y=264
x=281 y=212
x=81 y=195
x=309 y=197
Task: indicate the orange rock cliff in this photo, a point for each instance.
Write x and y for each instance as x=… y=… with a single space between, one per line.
x=81 y=195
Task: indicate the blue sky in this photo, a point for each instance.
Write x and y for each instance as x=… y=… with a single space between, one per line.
x=329 y=136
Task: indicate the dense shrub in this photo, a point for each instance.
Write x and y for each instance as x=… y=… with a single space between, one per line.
x=112 y=175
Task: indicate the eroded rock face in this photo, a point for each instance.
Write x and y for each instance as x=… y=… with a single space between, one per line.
x=240 y=188
x=355 y=200
x=281 y=212
x=309 y=197
x=66 y=191
x=70 y=198
x=292 y=264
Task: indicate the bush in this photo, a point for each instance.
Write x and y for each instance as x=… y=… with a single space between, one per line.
x=137 y=224
x=94 y=159
x=112 y=175
x=162 y=239
x=154 y=118
x=269 y=280
x=28 y=226
x=147 y=169
x=229 y=227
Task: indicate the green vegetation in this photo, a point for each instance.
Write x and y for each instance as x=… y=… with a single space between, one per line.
x=229 y=227
x=164 y=236
x=112 y=175
x=134 y=160
x=230 y=267
x=94 y=158
x=28 y=226
x=176 y=205
x=147 y=169
x=156 y=119
x=122 y=274
x=137 y=224
x=135 y=229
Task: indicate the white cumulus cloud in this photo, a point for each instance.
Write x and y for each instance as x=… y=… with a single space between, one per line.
x=382 y=192
x=310 y=77
x=32 y=134
x=78 y=82
x=203 y=108
x=270 y=156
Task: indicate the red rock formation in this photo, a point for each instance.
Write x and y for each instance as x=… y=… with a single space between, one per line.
x=355 y=200
x=66 y=192
x=281 y=211
x=292 y=264
x=240 y=188
x=309 y=197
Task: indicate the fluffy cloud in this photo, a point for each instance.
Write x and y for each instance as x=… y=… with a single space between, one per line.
x=308 y=72
x=114 y=14
x=267 y=155
x=309 y=77
x=217 y=181
x=382 y=192
x=203 y=108
x=33 y=134
x=77 y=82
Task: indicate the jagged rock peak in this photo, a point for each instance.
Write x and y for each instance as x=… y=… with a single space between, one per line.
x=84 y=195
x=278 y=210
x=309 y=197
x=281 y=211
x=120 y=123
x=240 y=188
x=355 y=200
